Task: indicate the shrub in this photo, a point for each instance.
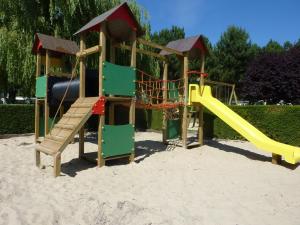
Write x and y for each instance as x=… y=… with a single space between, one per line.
x=16 y=119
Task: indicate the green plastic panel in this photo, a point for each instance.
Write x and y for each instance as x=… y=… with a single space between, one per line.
x=40 y=87
x=118 y=80
x=173 y=129
x=117 y=140
x=42 y=125
x=173 y=90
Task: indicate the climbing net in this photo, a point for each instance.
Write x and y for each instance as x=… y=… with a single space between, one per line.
x=153 y=93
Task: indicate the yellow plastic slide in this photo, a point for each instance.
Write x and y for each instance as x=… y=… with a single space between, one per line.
x=290 y=153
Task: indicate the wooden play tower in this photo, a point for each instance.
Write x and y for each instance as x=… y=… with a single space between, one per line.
x=118 y=85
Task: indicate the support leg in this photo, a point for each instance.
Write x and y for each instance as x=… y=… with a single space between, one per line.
x=81 y=142
x=101 y=161
x=276 y=159
x=131 y=157
x=38 y=158
x=57 y=164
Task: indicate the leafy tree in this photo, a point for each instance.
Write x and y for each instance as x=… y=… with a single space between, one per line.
x=287 y=45
x=163 y=37
x=273 y=46
x=273 y=77
x=19 y=20
x=231 y=55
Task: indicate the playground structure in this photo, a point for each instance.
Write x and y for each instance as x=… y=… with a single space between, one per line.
x=96 y=93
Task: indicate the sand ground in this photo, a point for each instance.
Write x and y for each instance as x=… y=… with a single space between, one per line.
x=223 y=182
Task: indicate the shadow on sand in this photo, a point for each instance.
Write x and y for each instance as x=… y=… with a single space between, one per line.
x=246 y=153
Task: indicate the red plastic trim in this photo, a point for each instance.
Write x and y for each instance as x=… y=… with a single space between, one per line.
x=99 y=106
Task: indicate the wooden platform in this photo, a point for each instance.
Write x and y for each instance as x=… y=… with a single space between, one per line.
x=64 y=131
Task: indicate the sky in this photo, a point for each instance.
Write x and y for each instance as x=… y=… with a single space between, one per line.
x=278 y=20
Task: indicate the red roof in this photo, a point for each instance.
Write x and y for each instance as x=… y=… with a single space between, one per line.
x=114 y=18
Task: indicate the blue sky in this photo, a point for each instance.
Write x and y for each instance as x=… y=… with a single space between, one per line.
x=263 y=19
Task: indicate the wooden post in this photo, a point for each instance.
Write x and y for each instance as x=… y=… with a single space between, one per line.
x=165 y=99
x=102 y=58
x=201 y=123
x=185 y=109
x=132 y=105
x=37 y=105
x=57 y=164
x=82 y=91
x=276 y=159
x=61 y=111
x=46 y=98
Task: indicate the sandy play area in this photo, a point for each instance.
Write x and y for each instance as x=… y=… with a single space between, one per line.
x=223 y=182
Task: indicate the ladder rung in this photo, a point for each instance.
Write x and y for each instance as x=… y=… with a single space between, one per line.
x=45 y=150
x=65 y=126
x=82 y=105
x=74 y=115
x=56 y=138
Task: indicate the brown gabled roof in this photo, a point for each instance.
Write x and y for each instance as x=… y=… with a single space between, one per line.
x=58 y=45
x=187 y=45
x=121 y=11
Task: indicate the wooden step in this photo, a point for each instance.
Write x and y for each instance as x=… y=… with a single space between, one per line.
x=65 y=126
x=45 y=150
x=74 y=115
x=82 y=105
x=56 y=138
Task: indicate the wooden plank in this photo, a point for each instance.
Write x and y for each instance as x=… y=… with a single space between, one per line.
x=102 y=58
x=85 y=52
x=37 y=105
x=218 y=82
x=45 y=150
x=154 y=45
x=60 y=74
x=111 y=119
x=117 y=99
x=185 y=110
x=46 y=106
x=165 y=99
x=55 y=62
x=65 y=126
x=201 y=108
x=141 y=51
x=132 y=105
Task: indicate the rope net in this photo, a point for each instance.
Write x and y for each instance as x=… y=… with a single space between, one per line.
x=150 y=92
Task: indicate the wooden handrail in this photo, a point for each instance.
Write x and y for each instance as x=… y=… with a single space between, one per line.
x=154 y=45
x=88 y=51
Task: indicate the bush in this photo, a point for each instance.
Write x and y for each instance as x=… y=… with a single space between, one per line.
x=16 y=119
x=280 y=123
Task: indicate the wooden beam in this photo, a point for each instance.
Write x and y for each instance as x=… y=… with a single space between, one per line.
x=165 y=99
x=82 y=88
x=201 y=108
x=102 y=58
x=46 y=106
x=37 y=105
x=218 y=83
x=60 y=74
x=132 y=105
x=85 y=52
x=141 y=51
x=57 y=62
x=154 y=45
x=185 y=110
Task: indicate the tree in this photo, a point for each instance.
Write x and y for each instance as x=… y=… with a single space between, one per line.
x=163 y=37
x=273 y=46
x=19 y=20
x=273 y=77
x=232 y=54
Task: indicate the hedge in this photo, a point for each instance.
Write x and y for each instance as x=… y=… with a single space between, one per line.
x=281 y=123
x=16 y=119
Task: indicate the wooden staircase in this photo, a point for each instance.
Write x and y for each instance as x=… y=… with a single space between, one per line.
x=64 y=131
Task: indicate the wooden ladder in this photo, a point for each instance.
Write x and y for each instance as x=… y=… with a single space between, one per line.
x=64 y=131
